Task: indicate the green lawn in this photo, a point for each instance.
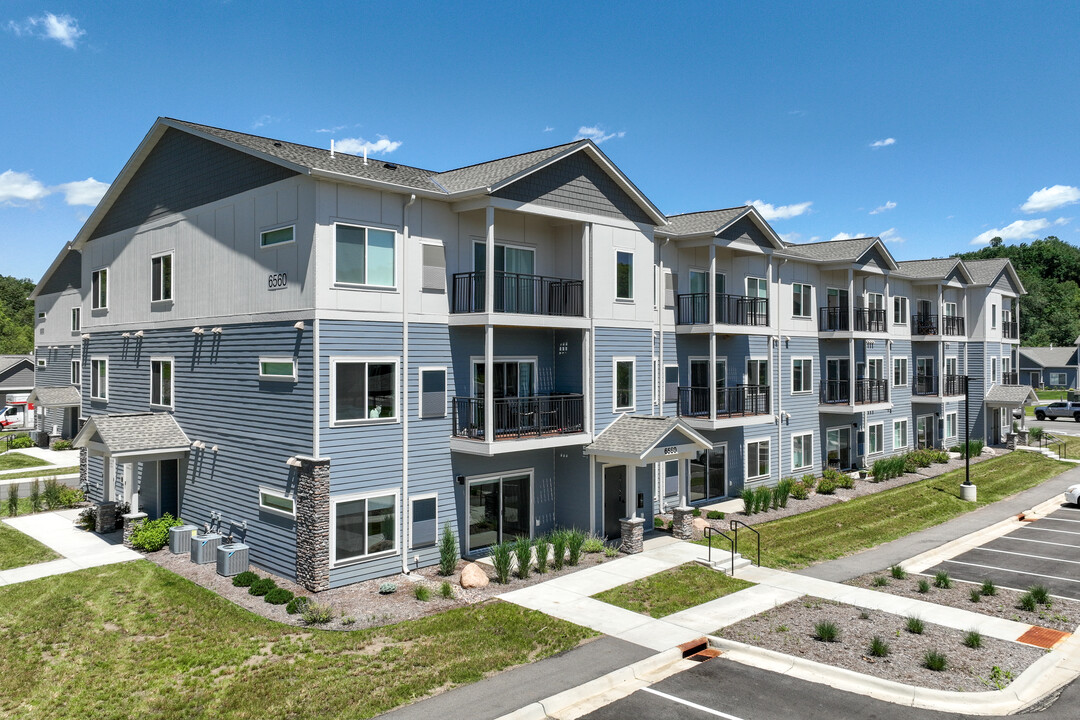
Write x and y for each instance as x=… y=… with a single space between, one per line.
x=16 y=460
x=848 y=527
x=18 y=549
x=673 y=590
x=46 y=473
x=134 y=640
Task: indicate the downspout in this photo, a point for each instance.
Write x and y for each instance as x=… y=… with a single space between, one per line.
x=779 y=377
x=405 y=372
x=590 y=418
x=660 y=471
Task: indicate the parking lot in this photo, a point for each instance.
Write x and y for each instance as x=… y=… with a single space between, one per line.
x=1043 y=552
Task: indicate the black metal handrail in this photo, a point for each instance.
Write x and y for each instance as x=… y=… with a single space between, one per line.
x=952 y=325
x=520 y=293
x=835 y=392
x=924 y=385
x=868 y=390
x=834 y=319
x=693 y=309
x=870 y=320
x=1010 y=329
x=954 y=385
x=734 y=401
x=708 y=532
x=735 y=527
x=924 y=324
x=517 y=417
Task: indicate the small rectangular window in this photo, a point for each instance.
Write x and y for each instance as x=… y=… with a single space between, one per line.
x=76 y=372
x=801 y=300
x=76 y=319
x=161 y=278
x=993 y=317
x=432 y=392
x=876 y=438
x=671 y=383
x=161 y=382
x=283 y=369
x=900 y=315
x=757 y=459
x=434 y=277
x=99 y=289
x=276 y=237
x=624 y=275
x=41 y=316
x=363 y=256
x=42 y=363
x=950 y=425
x=899 y=372
x=624 y=384
x=425 y=526
x=802 y=375
x=671 y=283
x=802 y=451
x=757 y=287
x=363 y=527
x=364 y=390
x=276 y=502
x=99 y=379
x=899 y=434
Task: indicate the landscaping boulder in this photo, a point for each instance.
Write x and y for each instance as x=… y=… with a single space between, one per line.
x=473 y=576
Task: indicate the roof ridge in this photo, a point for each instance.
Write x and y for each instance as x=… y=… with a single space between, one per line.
x=703 y=212
x=509 y=157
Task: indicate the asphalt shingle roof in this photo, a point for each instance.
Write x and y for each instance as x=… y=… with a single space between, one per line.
x=935 y=268
x=699 y=223
x=634 y=434
x=56 y=396
x=137 y=432
x=1010 y=395
x=837 y=250
x=9 y=361
x=485 y=174
x=1050 y=356
x=984 y=272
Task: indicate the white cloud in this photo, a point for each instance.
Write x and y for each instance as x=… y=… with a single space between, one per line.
x=357 y=145
x=892 y=237
x=883 y=143
x=1062 y=221
x=548 y=128
x=1019 y=230
x=17 y=188
x=62 y=28
x=264 y=120
x=596 y=134
x=336 y=128
x=780 y=212
x=1050 y=198
x=83 y=192
x=889 y=205
x=847 y=236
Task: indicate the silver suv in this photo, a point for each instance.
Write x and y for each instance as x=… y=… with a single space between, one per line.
x=1056 y=410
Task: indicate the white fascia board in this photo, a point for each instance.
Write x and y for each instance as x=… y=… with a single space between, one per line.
x=379 y=184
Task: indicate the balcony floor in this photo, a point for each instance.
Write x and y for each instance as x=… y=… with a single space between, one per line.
x=512 y=445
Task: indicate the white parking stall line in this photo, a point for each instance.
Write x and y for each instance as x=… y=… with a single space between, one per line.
x=1029 y=555
x=1042 y=542
x=1028 y=527
x=1017 y=572
x=1059 y=519
x=689 y=704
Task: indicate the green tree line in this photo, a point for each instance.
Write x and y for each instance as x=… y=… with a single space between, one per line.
x=1050 y=271
x=16 y=316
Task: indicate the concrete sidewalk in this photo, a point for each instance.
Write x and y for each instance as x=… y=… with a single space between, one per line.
x=57 y=458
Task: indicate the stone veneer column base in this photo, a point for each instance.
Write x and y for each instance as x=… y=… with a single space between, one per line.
x=682 y=523
x=84 y=469
x=313 y=524
x=130 y=520
x=633 y=535
x=106 y=518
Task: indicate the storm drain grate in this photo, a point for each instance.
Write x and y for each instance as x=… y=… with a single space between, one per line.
x=1042 y=637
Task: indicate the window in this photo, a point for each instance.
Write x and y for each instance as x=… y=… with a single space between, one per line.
x=802 y=451
x=876 y=368
x=161 y=278
x=875 y=301
x=434 y=273
x=757 y=459
x=757 y=372
x=950 y=366
x=899 y=434
x=363 y=526
x=875 y=438
x=671 y=383
x=161 y=381
x=800 y=300
x=950 y=425
x=41 y=316
x=624 y=384
x=757 y=287
x=276 y=502
x=899 y=310
x=993 y=317
x=99 y=289
x=363 y=256
x=76 y=319
x=363 y=390
x=76 y=372
x=276 y=237
x=1058 y=379
x=993 y=370
x=950 y=309
x=624 y=275
x=671 y=282
x=277 y=368
x=899 y=371
x=432 y=392
x=42 y=362
x=425 y=527
x=99 y=378
x=802 y=375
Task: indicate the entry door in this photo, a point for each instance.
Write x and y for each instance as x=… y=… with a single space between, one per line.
x=708 y=475
x=838 y=447
x=514 y=267
x=924 y=431
x=614 y=500
x=499 y=510
x=169 y=487
x=836 y=379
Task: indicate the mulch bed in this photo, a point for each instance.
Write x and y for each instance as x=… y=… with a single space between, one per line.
x=1061 y=615
x=789 y=629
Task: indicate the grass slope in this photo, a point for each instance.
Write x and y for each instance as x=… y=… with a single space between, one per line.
x=48 y=472
x=844 y=528
x=673 y=590
x=15 y=460
x=134 y=640
x=18 y=549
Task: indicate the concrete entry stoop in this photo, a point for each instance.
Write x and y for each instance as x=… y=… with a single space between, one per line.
x=724 y=564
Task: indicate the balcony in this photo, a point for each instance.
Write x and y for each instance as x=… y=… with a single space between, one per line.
x=953 y=325
x=930 y=325
x=693 y=309
x=838 y=319
x=867 y=391
x=924 y=385
x=516 y=418
x=954 y=385
x=731 y=402
x=519 y=293
x=1010 y=330
x=1010 y=378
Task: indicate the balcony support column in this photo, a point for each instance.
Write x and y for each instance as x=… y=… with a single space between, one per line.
x=712 y=376
x=489 y=330
x=941 y=345
x=631 y=496
x=711 y=285
x=851 y=342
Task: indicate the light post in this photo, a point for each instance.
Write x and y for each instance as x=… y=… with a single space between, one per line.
x=967 y=489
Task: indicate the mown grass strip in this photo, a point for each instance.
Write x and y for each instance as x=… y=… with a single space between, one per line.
x=18 y=549
x=16 y=460
x=45 y=473
x=673 y=590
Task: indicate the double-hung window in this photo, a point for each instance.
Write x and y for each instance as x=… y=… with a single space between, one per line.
x=423 y=517
x=801 y=300
x=899 y=310
x=76 y=319
x=757 y=287
x=876 y=438
x=363 y=390
x=432 y=392
x=161 y=277
x=161 y=382
x=802 y=375
x=757 y=459
x=364 y=256
x=76 y=372
x=99 y=379
x=899 y=371
x=624 y=384
x=950 y=425
x=99 y=289
x=899 y=434
x=363 y=526
x=624 y=275
x=802 y=451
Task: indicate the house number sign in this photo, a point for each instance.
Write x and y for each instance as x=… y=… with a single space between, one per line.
x=671 y=450
x=277 y=281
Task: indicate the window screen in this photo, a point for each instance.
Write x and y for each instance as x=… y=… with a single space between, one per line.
x=432 y=393
x=424 y=522
x=434 y=279
x=671 y=383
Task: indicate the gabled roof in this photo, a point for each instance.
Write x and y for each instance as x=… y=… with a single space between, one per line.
x=133 y=434
x=9 y=361
x=1010 y=395
x=68 y=396
x=838 y=251
x=701 y=223
x=64 y=272
x=934 y=269
x=493 y=172
x=1050 y=356
x=634 y=436
x=984 y=272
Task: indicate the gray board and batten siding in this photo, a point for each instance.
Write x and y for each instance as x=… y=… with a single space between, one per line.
x=56 y=373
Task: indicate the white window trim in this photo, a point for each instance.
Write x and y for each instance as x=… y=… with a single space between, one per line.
x=93 y=295
x=104 y=359
x=615 y=383
x=42 y=362
x=76 y=377
x=423 y=496
x=810 y=380
x=746 y=285
x=902 y=359
x=955 y=423
x=746 y=368
x=334 y=501
x=382 y=360
x=172 y=268
x=904 y=307
x=808 y=309
x=463 y=542
x=420 y=396
x=869 y=305
x=475 y=360
x=807 y=456
x=274 y=228
x=746 y=458
x=277 y=378
x=41 y=315
x=993 y=316
x=76 y=319
x=615 y=284
x=705 y=359
x=172 y=382
x=663 y=382
x=907 y=434
x=340 y=285
x=1051 y=374
x=274 y=510
x=869 y=430
x=867 y=360
x=956 y=365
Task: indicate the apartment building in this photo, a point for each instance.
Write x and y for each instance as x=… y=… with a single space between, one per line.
x=334 y=357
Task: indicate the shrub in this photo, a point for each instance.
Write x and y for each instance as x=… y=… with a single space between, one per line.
x=1035 y=433
x=575 y=540
x=975 y=595
x=1027 y=602
x=446 y=590
x=826 y=631
x=316 y=613
x=35 y=497
x=878 y=647
x=940 y=456
x=261 y=586
x=942 y=580
x=593 y=544
x=923 y=586
x=762 y=497
x=152 y=535
x=697 y=512
x=933 y=660
x=785 y=490
x=898 y=572
x=244 y=579
x=845 y=481
x=973 y=639
x=422 y=593
x=809 y=481
x=914 y=625
x=658 y=523
x=22 y=442
x=988 y=588
x=52 y=494
x=297 y=604
x=70 y=497
x=87 y=519
x=278 y=596
x=610 y=552
x=1040 y=593
x=714 y=515
x=880 y=470
x=448 y=554
x=749 y=501
x=880 y=581
x=543 y=549
x=827 y=486
x=502 y=556
x=558 y=549
x=13 y=500
x=911 y=463
x=523 y=555
x=776 y=496
x=387 y=588
x=61 y=445
x=799 y=491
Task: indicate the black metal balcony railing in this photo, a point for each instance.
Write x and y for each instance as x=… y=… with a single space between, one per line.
x=924 y=324
x=520 y=293
x=952 y=325
x=693 y=309
x=869 y=320
x=834 y=319
x=924 y=385
x=518 y=417
x=954 y=385
x=738 y=401
x=1010 y=330
x=834 y=392
x=1010 y=378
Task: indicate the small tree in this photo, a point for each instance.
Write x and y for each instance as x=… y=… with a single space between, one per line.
x=35 y=496
x=448 y=554
x=13 y=500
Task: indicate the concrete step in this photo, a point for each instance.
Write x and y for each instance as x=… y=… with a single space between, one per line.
x=722 y=562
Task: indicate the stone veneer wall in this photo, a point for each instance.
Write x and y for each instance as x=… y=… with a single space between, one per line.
x=313 y=525
x=84 y=469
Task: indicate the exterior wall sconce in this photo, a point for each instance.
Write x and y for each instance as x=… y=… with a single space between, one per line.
x=299 y=325
x=86 y=336
x=216 y=331
x=125 y=335
x=197 y=330
x=139 y=333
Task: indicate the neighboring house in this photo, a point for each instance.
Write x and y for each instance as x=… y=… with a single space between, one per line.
x=334 y=357
x=16 y=376
x=1048 y=367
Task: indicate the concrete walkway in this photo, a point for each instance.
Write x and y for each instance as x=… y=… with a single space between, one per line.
x=57 y=458
x=80 y=549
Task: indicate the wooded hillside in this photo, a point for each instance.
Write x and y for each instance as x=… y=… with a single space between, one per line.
x=16 y=316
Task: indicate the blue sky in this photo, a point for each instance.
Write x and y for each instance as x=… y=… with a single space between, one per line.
x=934 y=125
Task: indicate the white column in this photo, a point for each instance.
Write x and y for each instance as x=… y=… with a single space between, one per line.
x=683 y=493
x=851 y=342
x=631 y=496
x=592 y=494
x=941 y=342
x=711 y=284
x=712 y=375
x=108 y=481
x=489 y=330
